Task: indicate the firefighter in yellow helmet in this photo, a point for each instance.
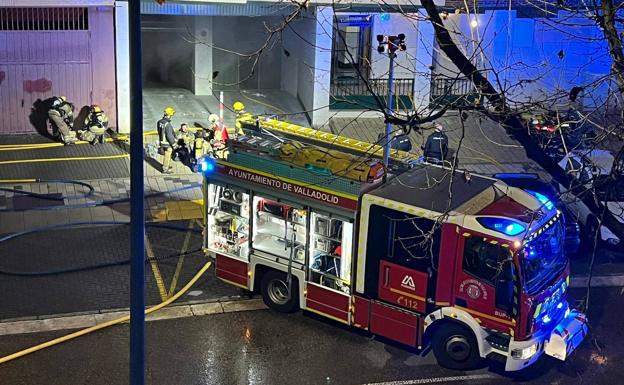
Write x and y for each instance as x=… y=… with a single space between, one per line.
x=239 y=110
x=95 y=124
x=166 y=138
x=61 y=117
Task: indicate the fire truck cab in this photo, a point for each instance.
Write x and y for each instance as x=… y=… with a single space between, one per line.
x=425 y=257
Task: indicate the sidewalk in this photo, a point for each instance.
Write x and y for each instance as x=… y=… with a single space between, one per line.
x=109 y=179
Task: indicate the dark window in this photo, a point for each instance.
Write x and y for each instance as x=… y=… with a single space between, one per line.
x=402 y=238
x=44 y=19
x=484 y=259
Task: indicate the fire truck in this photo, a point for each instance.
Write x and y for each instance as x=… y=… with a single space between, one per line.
x=422 y=255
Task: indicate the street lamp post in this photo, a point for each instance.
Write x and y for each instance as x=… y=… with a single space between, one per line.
x=394 y=43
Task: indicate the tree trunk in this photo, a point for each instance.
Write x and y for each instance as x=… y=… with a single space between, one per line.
x=607 y=22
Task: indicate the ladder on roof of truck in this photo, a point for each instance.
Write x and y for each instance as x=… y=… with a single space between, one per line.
x=327 y=139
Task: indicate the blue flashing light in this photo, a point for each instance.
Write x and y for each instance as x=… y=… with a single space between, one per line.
x=207 y=165
x=502 y=225
x=542 y=199
x=559 y=305
x=384 y=17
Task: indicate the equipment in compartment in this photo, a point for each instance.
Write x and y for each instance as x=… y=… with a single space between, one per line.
x=230 y=207
x=328 y=227
x=274 y=208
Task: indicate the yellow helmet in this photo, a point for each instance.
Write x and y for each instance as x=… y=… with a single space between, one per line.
x=238 y=106
x=96 y=108
x=169 y=111
x=63 y=98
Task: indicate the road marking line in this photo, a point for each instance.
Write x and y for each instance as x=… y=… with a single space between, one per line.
x=63 y=159
x=176 y=275
x=436 y=380
x=156 y=271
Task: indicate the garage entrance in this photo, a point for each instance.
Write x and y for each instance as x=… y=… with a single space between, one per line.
x=51 y=51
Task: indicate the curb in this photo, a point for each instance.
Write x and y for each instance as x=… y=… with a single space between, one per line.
x=87 y=320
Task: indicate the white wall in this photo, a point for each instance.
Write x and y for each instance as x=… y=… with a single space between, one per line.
x=322 y=65
x=405 y=62
x=424 y=59
x=202 y=57
x=122 y=65
x=524 y=53
x=298 y=67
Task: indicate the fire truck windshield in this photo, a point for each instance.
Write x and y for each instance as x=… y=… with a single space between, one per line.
x=543 y=258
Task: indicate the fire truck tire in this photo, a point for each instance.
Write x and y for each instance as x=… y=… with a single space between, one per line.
x=455 y=347
x=275 y=293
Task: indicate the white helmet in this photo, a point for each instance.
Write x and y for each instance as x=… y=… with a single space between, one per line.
x=213 y=118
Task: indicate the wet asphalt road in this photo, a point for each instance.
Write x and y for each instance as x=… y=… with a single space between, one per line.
x=263 y=347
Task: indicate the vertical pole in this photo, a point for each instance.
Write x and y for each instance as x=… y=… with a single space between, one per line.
x=205 y=211
x=221 y=107
x=391 y=55
x=137 y=213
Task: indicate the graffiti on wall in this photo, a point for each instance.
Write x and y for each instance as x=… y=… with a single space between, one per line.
x=39 y=85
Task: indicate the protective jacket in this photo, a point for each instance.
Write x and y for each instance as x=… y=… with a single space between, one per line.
x=436 y=147
x=165 y=133
x=96 y=122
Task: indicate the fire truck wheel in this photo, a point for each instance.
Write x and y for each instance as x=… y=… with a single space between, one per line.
x=455 y=347
x=275 y=293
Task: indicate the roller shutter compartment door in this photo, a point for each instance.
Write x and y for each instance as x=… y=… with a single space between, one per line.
x=43 y=52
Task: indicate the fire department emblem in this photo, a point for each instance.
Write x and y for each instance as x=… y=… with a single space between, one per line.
x=473 y=291
x=473 y=288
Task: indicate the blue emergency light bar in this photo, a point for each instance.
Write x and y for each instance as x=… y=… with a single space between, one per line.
x=502 y=225
x=543 y=199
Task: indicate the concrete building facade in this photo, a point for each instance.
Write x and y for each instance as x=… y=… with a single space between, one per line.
x=325 y=59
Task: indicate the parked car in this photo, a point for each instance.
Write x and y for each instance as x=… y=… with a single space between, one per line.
x=533 y=183
x=592 y=170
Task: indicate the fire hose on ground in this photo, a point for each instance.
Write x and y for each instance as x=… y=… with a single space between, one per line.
x=89 y=192
x=107 y=324
x=105 y=202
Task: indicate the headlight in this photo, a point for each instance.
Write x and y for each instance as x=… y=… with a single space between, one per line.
x=526 y=353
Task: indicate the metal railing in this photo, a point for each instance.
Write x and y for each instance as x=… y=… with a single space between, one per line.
x=356 y=94
x=454 y=91
x=357 y=87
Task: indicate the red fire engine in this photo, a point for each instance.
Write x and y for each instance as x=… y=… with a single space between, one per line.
x=424 y=256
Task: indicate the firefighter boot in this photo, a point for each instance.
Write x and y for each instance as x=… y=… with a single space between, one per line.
x=166 y=166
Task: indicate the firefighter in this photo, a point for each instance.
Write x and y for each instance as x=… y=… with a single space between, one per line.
x=401 y=141
x=239 y=109
x=201 y=145
x=184 y=144
x=61 y=116
x=220 y=135
x=166 y=139
x=436 y=147
x=95 y=124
